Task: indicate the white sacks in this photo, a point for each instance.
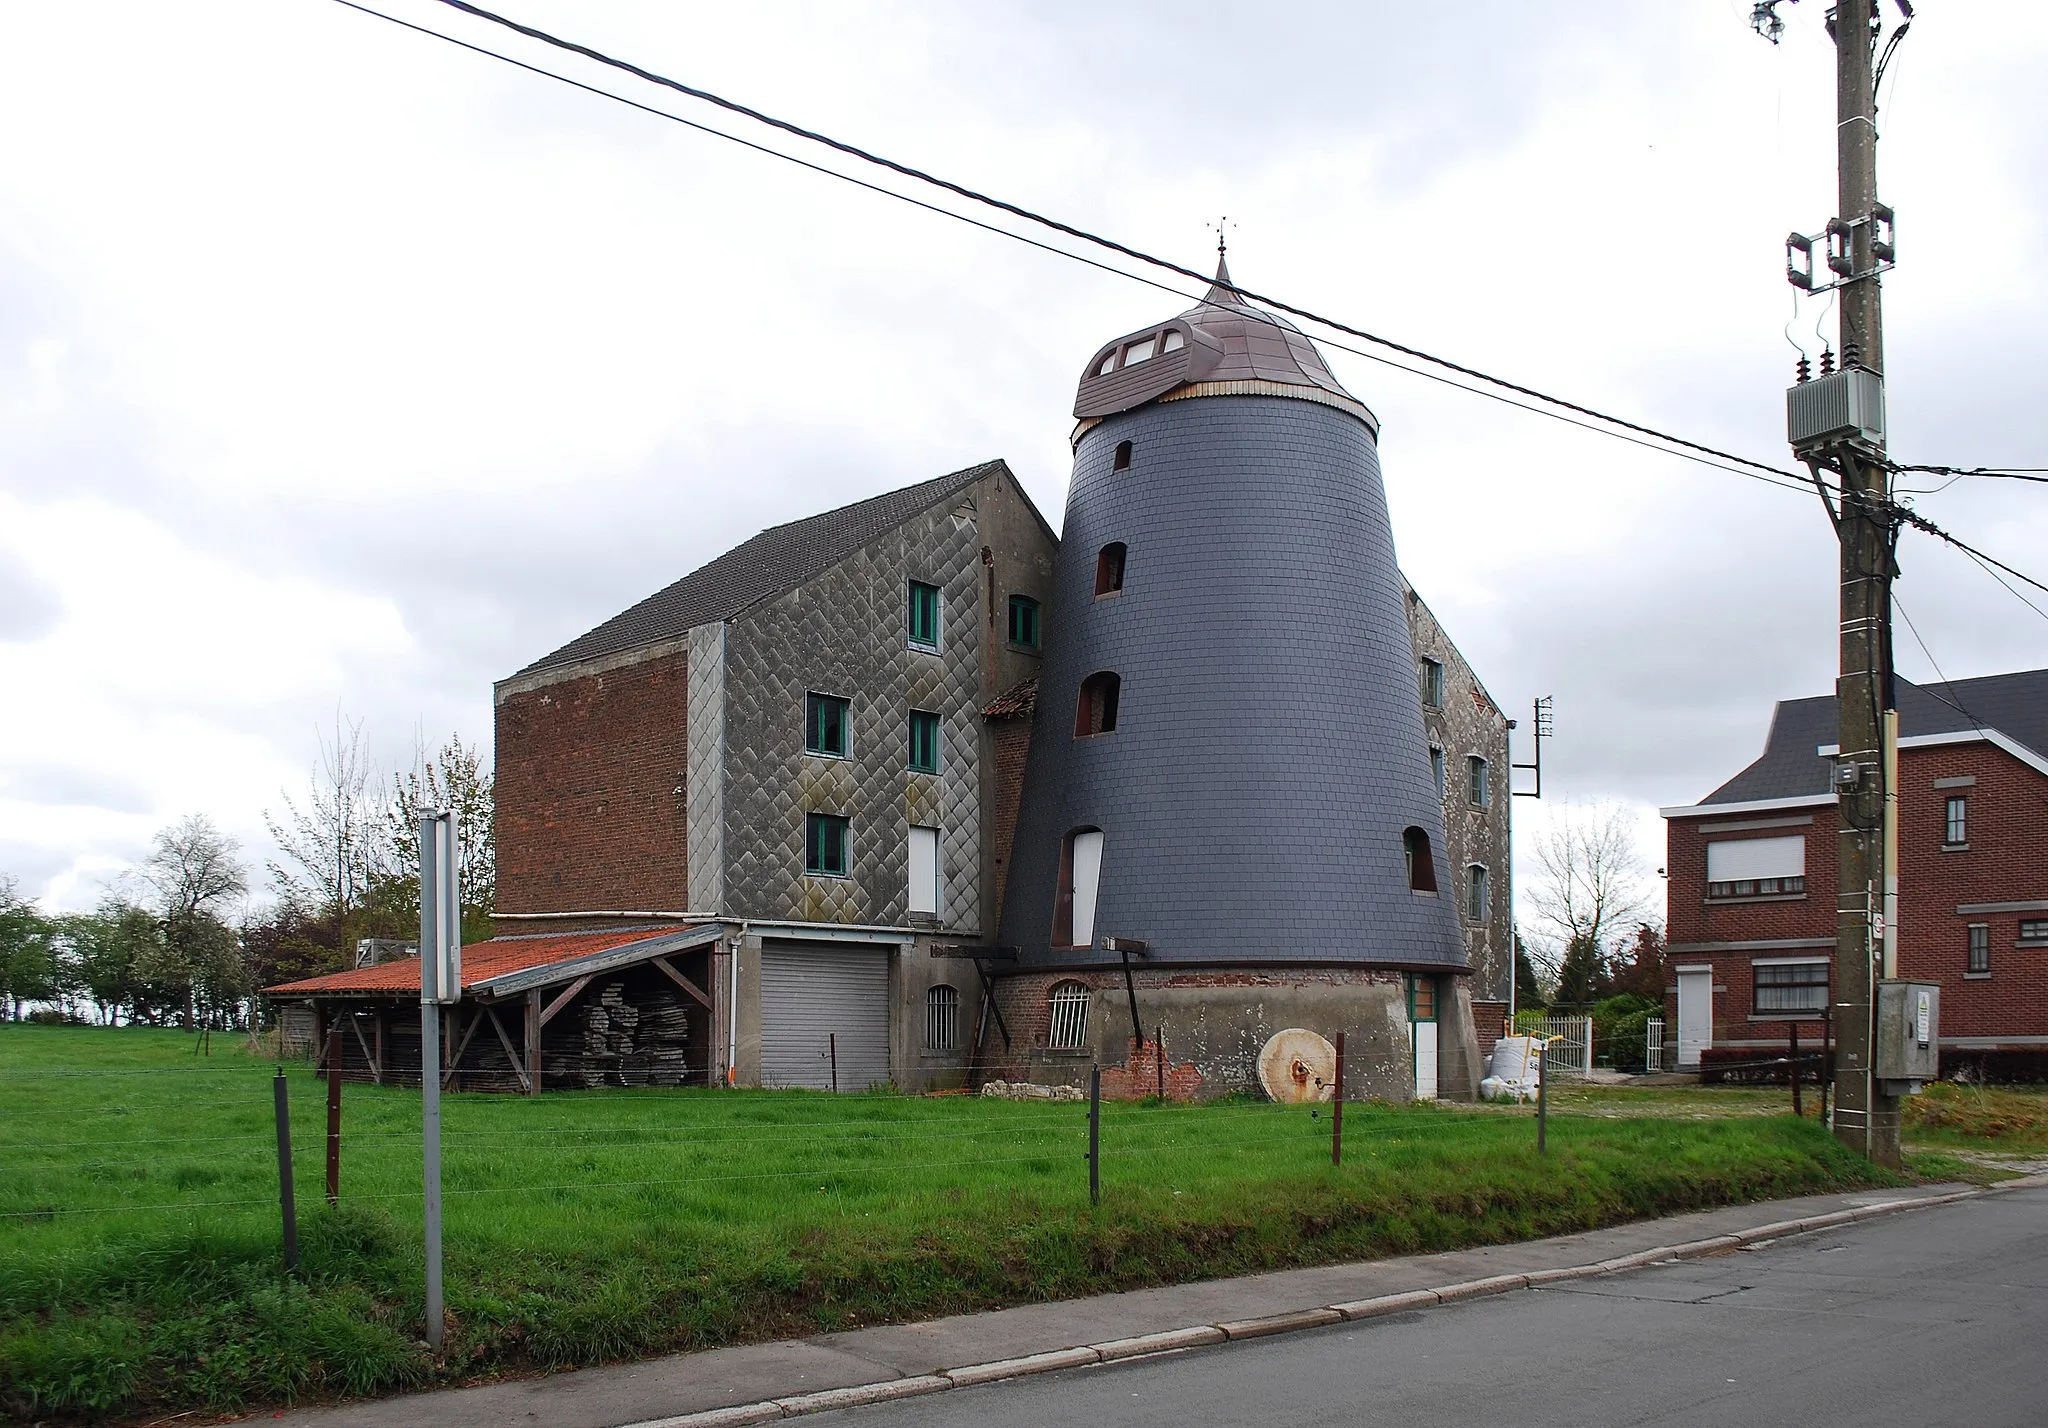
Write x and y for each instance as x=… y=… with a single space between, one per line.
x=1510 y=1070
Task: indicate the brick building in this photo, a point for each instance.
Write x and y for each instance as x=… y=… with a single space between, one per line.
x=1752 y=871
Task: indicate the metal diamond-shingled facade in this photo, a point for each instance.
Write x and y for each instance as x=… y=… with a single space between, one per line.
x=844 y=633
x=1269 y=749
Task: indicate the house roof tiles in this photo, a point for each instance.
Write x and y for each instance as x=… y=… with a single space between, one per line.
x=2016 y=705
x=481 y=961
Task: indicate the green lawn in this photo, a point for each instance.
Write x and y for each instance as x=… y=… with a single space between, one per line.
x=139 y=1245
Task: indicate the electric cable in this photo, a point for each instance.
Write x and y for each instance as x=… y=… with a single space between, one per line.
x=1645 y=436
x=1554 y=408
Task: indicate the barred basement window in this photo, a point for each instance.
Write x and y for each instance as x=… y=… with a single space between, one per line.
x=825 y=840
x=941 y=1018
x=1791 y=987
x=1069 y=1017
x=1980 y=949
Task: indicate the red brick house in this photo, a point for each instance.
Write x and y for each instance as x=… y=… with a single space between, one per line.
x=1751 y=912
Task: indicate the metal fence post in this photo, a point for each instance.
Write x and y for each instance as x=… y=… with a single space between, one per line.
x=1542 y=1096
x=1095 y=1135
x=832 y=1046
x=1337 y=1109
x=333 y=1115
x=1797 y=1108
x=281 y=1098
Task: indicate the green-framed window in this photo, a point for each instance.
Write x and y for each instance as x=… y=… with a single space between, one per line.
x=1024 y=622
x=924 y=615
x=827 y=840
x=828 y=724
x=924 y=741
x=1422 y=996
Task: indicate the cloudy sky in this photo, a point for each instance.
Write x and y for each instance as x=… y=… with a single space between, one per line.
x=343 y=372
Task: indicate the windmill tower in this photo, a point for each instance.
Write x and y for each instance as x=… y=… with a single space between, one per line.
x=1229 y=763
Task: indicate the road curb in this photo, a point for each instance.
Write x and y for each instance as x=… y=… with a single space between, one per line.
x=1229 y=1330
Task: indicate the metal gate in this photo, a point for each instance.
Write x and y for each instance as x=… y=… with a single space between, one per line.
x=1571 y=1042
x=1653 y=1044
x=821 y=1003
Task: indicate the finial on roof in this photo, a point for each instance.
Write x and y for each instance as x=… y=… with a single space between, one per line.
x=1222 y=289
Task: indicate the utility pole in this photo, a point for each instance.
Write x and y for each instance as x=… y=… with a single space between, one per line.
x=1865 y=1117
x=1837 y=423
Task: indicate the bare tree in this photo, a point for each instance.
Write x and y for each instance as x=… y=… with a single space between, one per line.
x=1590 y=891
x=196 y=873
x=331 y=843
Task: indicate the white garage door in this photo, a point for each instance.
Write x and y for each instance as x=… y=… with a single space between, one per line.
x=818 y=998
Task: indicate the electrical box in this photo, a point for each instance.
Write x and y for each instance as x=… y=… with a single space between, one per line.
x=1844 y=408
x=1908 y=1049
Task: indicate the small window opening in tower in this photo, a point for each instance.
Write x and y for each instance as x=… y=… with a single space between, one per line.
x=1109 y=569
x=1139 y=351
x=1123 y=457
x=1171 y=341
x=1095 y=711
x=1421 y=866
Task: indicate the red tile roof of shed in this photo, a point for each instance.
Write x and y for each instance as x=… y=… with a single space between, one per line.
x=481 y=961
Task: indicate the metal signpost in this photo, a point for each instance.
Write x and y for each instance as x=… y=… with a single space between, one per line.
x=440 y=985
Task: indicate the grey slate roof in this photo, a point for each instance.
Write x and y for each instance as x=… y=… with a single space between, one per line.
x=2016 y=705
x=778 y=559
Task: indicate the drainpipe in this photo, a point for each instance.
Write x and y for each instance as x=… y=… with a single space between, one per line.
x=732 y=1011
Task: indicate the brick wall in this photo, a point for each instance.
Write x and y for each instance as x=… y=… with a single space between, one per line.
x=590 y=782
x=2005 y=861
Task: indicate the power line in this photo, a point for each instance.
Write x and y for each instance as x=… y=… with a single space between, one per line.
x=1946 y=682
x=1692 y=451
x=1554 y=408
x=1995 y=473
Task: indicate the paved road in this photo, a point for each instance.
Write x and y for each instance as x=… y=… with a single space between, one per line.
x=1930 y=1318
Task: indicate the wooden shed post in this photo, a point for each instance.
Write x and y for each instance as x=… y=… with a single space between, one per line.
x=533 y=1042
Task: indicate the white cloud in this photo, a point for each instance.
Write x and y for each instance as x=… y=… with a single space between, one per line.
x=339 y=368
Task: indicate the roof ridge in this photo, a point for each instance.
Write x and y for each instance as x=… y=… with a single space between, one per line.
x=782 y=557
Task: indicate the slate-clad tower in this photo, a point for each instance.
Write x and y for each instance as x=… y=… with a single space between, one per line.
x=1229 y=759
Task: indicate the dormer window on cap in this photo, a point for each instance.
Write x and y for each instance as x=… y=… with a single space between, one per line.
x=1225 y=343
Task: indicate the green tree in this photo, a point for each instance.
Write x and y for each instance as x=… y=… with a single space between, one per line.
x=108 y=947
x=29 y=967
x=1528 y=987
x=195 y=872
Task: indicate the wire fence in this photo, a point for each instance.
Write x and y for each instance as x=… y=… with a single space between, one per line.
x=623 y=1142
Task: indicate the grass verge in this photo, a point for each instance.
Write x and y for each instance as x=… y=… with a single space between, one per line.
x=139 y=1247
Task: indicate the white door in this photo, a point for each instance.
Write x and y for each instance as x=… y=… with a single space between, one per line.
x=1425 y=1060
x=821 y=1004
x=1087 y=878
x=924 y=871
x=1695 y=1014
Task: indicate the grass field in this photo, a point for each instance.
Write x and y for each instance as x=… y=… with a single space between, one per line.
x=139 y=1244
